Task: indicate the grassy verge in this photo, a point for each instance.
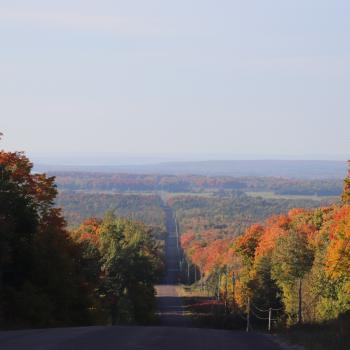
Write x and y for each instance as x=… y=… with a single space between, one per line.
x=334 y=335
x=205 y=311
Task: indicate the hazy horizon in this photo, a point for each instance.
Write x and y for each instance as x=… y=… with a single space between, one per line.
x=120 y=159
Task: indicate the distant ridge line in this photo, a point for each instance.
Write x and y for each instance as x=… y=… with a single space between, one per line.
x=304 y=169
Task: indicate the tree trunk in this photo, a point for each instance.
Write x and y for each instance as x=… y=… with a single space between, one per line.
x=114 y=313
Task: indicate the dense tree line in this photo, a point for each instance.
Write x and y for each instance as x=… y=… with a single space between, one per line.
x=52 y=277
x=78 y=206
x=229 y=213
x=297 y=263
x=126 y=263
x=171 y=183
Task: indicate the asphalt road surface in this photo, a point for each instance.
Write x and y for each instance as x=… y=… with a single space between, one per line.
x=136 y=338
x=174 y=333
x=170 y=308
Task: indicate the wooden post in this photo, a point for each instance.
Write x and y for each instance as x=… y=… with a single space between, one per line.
x=248 y=315
x=270 y=313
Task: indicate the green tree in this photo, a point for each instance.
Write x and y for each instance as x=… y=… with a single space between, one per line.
x=291 y=260
x=266 y=292
x=131 y=266
x=129 y=263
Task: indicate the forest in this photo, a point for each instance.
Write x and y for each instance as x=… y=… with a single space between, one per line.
x=255 y=255
x=223 y=204
x=295 y=265
x=193 y=183
x=103 y=272
x=225 y=209
x=78 y=206
x=230 y=212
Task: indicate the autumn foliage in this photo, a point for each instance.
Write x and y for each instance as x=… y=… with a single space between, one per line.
x=299 y=261
x=103 y=272
x=40 y=280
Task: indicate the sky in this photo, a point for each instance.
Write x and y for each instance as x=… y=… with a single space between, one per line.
x=229 y=77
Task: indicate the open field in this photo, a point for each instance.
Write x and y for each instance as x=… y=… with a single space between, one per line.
x=272 y=195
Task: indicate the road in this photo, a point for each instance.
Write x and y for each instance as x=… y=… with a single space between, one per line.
x=170 y=308
x=174 y=333
x=132 y=338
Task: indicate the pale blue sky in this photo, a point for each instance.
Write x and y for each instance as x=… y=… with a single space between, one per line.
x=156 y=76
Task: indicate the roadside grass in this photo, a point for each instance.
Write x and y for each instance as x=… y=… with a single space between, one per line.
x=332 y=335
x=205 y=311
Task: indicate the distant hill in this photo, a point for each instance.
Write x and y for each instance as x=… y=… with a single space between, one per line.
x=304 y=169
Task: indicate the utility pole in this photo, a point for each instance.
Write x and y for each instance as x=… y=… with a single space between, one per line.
x=177 y=233
x=270 y=313
x=226 y=289
x=188 y=272
x=300 y=317
x=219 y=284
x=248 y=315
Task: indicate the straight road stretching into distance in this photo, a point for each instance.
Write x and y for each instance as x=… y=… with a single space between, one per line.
x=174 y=333
x=169 y=305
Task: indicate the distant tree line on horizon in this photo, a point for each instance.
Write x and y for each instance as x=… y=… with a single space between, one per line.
x=171 y=183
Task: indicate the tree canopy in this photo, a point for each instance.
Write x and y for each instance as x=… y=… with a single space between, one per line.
x=103 y=272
